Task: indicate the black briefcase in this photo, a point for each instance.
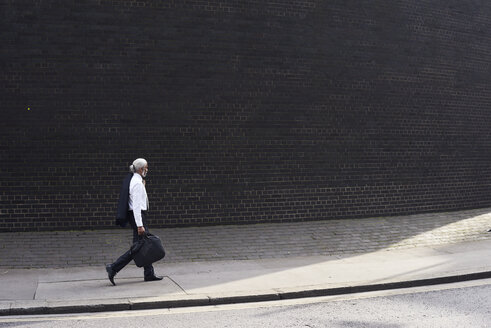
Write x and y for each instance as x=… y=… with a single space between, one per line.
x=147 y=250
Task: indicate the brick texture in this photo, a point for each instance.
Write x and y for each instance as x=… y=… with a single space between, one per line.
x=247 y=111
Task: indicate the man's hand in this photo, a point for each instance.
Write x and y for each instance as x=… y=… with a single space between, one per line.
x=141 y=231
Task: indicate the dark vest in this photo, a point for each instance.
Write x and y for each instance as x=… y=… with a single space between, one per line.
x=124 y=195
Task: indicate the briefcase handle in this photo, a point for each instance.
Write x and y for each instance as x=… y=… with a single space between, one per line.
x=145 y=235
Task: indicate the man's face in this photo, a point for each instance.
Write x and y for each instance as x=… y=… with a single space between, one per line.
x=144 y=171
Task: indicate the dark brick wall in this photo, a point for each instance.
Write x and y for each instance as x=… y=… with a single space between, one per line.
x=247 y=111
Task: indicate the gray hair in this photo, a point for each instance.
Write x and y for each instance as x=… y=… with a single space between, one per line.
x=138 y=164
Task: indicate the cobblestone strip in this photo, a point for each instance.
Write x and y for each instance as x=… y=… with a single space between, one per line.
x=241 y=242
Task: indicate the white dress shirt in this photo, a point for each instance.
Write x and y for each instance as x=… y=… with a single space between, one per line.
x=138 y=200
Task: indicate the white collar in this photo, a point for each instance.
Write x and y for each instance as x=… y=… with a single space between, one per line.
x=138 y=176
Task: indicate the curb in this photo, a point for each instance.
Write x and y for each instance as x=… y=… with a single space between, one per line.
x=200 y=300
x=387 y=286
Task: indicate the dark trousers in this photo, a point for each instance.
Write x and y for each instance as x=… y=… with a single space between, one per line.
x=126 y=258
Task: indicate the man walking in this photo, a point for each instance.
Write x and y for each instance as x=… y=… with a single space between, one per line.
x=132 y=209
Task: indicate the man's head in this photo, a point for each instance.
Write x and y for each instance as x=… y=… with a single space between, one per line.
x=140 y=166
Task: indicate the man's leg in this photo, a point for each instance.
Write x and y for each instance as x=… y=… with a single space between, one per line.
x=123 y=260
x=148 y=271
x=118 y=265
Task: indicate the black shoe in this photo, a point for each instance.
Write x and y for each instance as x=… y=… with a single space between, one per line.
x=153 y=278
x=110 y=274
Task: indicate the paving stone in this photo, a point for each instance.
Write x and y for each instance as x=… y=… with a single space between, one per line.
x=82 y=248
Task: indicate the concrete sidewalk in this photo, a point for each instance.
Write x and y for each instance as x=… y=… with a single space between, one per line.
x=216 y=265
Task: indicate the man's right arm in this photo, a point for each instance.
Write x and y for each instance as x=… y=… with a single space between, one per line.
x=137 y=192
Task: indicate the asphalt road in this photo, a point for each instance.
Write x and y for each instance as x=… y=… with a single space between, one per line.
x=454 y=305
